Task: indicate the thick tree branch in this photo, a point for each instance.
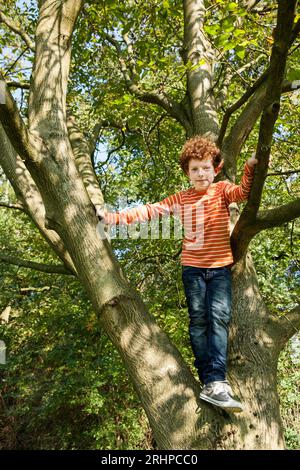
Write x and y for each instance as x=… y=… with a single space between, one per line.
x=284 y=327
x=47 y=98
x=287 y=86
x=13 y=26
x=30 y=197
x=244 y=229
x=233 y=142
x=14 y=125
x=238 y=105
x=198 y=52
x=241 y=129
x=46 y=268
x=243 y=125
x=131 y=60
x=12 y=206
x=285 y=21
x=277 y=216
x=81 y=151
x=14 y=84
x=281 y=173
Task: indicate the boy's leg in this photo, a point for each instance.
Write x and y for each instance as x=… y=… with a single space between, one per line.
x=195 y=292
x=216 y=390
x=218 y=304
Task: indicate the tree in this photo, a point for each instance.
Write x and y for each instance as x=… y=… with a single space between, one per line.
x=48 y=161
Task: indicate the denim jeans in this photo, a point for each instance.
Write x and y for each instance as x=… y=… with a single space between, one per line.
x=208 y=294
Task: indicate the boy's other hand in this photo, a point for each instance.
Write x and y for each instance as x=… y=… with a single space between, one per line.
x=252 y=161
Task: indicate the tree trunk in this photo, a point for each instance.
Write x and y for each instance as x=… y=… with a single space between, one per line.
x=252 y=359
x=199 y=53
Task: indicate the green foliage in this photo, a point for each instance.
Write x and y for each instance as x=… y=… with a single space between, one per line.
x=63 y=382
x=64 y=386
x=222 y=25
x=15 y=57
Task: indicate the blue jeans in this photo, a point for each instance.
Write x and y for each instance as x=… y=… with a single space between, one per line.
x=208 y=294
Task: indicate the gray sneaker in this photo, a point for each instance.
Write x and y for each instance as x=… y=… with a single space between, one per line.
x=220 y=394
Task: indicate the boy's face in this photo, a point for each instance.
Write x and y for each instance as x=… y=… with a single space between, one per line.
x=201 y=173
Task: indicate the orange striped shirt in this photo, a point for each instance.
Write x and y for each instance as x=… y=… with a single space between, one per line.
x=204 y=216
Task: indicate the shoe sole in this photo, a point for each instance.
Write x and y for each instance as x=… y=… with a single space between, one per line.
x=234 y=409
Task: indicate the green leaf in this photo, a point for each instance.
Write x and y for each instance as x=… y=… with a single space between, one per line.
x=293 y=74
x=232 y=6
x=212 y=29
x=127 y=27
x=241 y=53
x=223 y=38
x=229 y=45
x=239 y=32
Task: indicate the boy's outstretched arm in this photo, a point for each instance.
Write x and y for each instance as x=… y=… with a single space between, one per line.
x=240 y=192
x=167 y=206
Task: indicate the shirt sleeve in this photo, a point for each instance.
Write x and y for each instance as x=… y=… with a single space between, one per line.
x=167 y=206
x=239 y=192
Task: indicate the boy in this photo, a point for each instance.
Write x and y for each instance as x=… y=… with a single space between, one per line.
x=206 y=258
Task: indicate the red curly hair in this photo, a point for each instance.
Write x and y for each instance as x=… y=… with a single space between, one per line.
x=200 y=148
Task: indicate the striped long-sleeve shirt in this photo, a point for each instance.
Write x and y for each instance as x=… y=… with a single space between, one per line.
x=205 y=218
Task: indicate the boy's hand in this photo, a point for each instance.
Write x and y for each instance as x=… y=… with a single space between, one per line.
x=252 y=161
x=100 y=213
